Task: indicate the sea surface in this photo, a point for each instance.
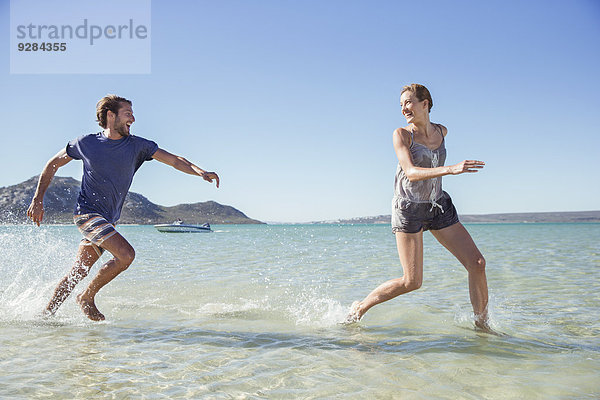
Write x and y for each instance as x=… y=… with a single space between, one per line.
x=254 y=312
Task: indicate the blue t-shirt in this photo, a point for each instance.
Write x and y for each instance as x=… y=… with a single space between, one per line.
x=108 y=169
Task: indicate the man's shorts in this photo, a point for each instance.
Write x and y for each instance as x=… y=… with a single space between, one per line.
x=95 y=229
x=409 y=217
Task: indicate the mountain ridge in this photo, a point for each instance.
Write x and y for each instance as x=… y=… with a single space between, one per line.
x=60 y=198
x=532 y=217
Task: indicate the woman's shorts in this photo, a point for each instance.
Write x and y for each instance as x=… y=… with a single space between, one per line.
x=409 y=217
x=95 y=229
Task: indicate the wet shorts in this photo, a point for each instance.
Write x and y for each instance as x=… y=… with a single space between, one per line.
x=409 y=217
x=95 y=229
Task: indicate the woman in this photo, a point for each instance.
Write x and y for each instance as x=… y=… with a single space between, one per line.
x=419 y=205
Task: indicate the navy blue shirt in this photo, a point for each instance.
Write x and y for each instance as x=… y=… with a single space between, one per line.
x=108 y=169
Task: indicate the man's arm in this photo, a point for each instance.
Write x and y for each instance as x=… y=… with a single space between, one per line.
x=36 y=209
x=184 y=165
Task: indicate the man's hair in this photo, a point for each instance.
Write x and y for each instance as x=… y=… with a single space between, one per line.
x=110 y=102
x=420 y=91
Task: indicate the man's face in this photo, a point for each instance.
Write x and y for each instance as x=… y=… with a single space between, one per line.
x=124 y=119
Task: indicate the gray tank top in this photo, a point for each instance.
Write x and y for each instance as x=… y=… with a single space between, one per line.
x=425 y=191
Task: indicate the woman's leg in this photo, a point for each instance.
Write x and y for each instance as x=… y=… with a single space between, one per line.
x=410 y=251
x=457 y=240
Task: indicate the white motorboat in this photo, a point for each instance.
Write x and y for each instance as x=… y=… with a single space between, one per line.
x=179 y=227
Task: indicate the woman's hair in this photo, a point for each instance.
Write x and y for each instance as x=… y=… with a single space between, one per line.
x=110 y=102
x=420 y=91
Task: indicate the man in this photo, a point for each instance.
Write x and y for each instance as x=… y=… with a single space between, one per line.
x=110 y=159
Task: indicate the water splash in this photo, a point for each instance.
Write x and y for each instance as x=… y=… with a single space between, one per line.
x=311 y=308
x=463 y=314
x=31 y=262
x=302 y=307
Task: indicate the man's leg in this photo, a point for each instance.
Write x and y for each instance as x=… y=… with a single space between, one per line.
x=457 y=240
x=410 y=252
x=123 y=255
x=87 y=255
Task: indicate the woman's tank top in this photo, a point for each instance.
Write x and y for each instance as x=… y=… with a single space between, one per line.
x=425 y=191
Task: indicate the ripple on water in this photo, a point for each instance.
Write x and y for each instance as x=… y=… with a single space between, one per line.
x=253 y=313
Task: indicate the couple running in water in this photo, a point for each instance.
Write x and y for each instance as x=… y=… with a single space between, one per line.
x=111 y=158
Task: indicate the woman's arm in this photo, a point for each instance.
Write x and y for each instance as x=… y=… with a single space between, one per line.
x=402 y=142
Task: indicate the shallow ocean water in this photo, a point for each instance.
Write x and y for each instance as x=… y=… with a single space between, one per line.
x=254 y=312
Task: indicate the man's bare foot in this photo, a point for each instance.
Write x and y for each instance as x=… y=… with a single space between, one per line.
x=354 y=315
x=46 y=314
x=89 y=308
x=51 y=308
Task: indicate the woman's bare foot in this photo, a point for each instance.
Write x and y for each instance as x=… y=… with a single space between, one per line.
x=355 y=314
x=483 y=326
x=89 y=308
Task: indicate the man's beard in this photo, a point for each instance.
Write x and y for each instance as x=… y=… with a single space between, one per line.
x=122 y=130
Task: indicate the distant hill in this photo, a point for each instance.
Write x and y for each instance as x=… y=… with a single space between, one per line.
x=556 y=217
x=62 y=193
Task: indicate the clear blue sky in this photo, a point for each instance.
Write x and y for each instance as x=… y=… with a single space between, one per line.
x=294 y=103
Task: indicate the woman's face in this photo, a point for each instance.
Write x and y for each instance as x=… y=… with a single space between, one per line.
x=413 y=109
